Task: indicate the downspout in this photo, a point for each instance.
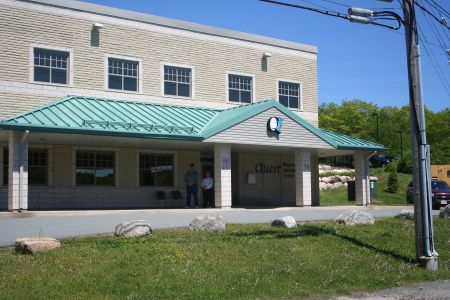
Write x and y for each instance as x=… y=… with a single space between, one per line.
x=22 y=141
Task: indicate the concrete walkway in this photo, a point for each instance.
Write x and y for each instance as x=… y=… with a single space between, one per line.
x=62 y=224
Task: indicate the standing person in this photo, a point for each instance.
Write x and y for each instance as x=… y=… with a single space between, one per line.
x=207 y=186
x=191 y=179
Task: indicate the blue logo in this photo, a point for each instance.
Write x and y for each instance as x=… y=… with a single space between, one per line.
x=274 y=124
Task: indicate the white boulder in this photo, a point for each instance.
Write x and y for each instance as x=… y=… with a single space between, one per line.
x=355 y=217
x=287 y=222
x=133 y=229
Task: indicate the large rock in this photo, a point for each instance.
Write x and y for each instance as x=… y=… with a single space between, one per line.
x=405 y=215
x=208 y=223
x=322 y=186
x=355 y=217
x=337 y=184
x=287 y=222
x=32 y=245
x=445 y=213
x=133 y=228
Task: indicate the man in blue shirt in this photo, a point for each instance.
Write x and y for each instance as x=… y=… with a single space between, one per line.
x=191 y=179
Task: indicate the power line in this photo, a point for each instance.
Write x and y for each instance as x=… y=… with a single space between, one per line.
x=424 y=9
x=440 y=8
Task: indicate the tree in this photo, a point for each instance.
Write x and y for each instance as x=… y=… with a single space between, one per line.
x=393 y=181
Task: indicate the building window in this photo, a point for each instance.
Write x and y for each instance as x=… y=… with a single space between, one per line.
x=94 y=168
x=123 y=74
x=289 y=94
x=156 y=169
x=37 y=166
x=51 y=66
x=177 y=81
x=240 y=88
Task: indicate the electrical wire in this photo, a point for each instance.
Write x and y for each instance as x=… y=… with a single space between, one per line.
x=423 y=8
x=440 y=8
x=436 y=33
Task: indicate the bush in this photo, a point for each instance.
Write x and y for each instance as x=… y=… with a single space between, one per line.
x=393 y=182
x=391 y=167
x=405 y=166
x=331 y=173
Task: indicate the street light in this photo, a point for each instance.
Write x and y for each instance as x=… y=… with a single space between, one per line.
x=425 y=252
x=375 y=114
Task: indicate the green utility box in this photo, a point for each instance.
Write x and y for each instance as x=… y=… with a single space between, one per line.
x=351 y=189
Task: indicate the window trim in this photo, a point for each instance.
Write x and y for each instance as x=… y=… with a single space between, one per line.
x=106 y=73
x=48 y=148
x=192 y=68
x=300 y=95
x=95 y=149
x=157 y=151
x=227 y=93
x=54 y=48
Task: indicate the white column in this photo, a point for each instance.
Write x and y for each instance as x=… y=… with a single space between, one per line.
x=362 y=184
x=18 y=171
x=222 y=175
x=302 y=178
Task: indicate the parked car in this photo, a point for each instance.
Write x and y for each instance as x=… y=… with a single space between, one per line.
x=440 y=193
x=380 y=161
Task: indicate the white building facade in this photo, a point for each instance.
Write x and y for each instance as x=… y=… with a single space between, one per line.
x=107 y=108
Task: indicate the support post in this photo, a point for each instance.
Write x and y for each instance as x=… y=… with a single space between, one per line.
x=222 y=175
x=362 y=183
x=302 y=178
x=18 y=171
x=425 y=252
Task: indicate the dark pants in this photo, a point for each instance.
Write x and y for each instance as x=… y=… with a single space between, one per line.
x=208 y=197
x=191 y=189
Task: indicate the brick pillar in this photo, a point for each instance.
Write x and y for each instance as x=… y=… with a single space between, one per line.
x=18 y=171
x=222 y=175
x=315 y=191
x=302 y=178
x=362 y=184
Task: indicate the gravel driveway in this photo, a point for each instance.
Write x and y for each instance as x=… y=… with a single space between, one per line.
x=435 y=290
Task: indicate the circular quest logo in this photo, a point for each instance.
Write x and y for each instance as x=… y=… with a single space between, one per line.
x=274 y=124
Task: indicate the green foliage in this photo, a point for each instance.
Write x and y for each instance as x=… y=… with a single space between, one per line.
x=405 y=166
x=393 y=181
x=244 y=262
x=358 y=119
x=339 y=196
x=391 y=167
x=331 y=173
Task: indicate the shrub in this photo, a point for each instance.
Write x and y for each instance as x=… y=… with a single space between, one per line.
x=405 y=166
x=393 y=182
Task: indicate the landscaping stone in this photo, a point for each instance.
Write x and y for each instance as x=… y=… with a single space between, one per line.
x=322 y=186
x=32 y=245
x=445 y=213
x=355 y=217
x=208 y=223
x=405 y=215
x=133 y=229
x=337 y=184
x=287 y=222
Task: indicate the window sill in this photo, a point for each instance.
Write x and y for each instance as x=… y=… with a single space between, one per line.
x=70 y=85
x=123 y=91
x=177 y=97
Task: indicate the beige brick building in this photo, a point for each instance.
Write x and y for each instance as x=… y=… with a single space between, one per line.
x=151 y=96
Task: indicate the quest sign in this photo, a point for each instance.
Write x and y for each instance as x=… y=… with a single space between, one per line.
x=285 y=169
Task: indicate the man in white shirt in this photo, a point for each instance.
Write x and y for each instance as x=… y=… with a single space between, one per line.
x=207 y=187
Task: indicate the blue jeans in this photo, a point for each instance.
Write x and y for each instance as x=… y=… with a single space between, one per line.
x=191 y=189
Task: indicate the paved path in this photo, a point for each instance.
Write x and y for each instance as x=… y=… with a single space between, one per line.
x=60 y=224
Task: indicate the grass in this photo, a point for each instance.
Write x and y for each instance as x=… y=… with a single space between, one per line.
x=245 y=261
x=339 y=196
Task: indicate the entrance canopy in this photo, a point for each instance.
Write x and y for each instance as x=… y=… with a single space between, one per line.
x=108 y=117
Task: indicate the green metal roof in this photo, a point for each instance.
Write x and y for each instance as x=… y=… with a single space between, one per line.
x=98 y=116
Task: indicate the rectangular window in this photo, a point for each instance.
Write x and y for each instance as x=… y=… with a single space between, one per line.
x=177 y=81
x=51 y=66
x=37 y=166
x=156 y=169
x=94 y=168
x=123 y=74
x=289 y=94
x=240 y=88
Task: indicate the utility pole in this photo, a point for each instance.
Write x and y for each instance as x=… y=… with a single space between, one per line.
x=425 y=253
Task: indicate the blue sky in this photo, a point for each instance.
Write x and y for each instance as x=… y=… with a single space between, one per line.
x=355 y=61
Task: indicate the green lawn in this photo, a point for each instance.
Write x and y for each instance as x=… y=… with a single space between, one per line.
x=339 y=196
x=244 y=262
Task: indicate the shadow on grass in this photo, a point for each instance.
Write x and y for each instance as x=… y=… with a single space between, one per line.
x=307 y=230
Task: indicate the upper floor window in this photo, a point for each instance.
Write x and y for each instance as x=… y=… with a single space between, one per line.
x=51 y=66
x=177 y=81
x=94 y=168
x=156 y=169
x=240 y=88
x=289 y=94
x=123 y=74
x=37 y=166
